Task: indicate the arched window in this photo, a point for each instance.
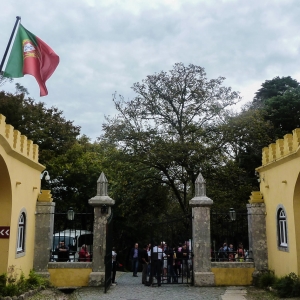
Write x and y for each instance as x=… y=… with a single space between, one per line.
x=282 y=228
x=21 y=233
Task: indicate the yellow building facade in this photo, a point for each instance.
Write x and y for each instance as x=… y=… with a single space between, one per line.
x=280 y=191
x=19 y=189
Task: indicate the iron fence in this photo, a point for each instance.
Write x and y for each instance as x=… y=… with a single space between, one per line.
x=70 y=236
x=172 y=234
x=232 y=231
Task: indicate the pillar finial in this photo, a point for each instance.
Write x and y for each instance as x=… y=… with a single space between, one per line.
x=102 y=185
x=200 y=186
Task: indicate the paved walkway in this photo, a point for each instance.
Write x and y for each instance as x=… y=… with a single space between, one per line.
x=131 y=288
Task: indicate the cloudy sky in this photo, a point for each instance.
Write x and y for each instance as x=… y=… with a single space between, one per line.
x=107 y=45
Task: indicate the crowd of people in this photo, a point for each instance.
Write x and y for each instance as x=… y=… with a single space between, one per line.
x=161 y=262
x=229 y=253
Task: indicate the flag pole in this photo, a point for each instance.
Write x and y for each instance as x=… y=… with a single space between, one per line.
x=8 y=45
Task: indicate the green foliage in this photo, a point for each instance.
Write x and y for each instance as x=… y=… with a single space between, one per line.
x=3 y=280
x=266 y=279
x=170 y=127
x=283 y=111
x=288 y=286
x=46 y=127
x=272 y=88
x=11 y=284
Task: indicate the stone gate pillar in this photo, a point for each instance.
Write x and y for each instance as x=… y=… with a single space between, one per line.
x=201 y=235
x=102 y=210
x=257 y=231
x=44 y=220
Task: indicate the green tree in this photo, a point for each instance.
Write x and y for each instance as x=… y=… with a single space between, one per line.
x=74 y=175
x=283 y=111
x=45 y=126
x=272 y=88
x=139 y=198
x=246 y=133
x=169 y=125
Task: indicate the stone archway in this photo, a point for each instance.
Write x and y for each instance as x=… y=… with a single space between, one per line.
x=5 y=212
x=296 y=209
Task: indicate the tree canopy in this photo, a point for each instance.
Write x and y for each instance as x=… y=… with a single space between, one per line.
x=46 y=127
x=169 y=126
x=283 y=111
x=272 y=88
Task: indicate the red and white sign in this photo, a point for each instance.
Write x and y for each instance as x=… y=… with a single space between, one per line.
x=4 y=232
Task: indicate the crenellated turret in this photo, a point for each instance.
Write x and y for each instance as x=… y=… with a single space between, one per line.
x=17 y=141
x=283 y=147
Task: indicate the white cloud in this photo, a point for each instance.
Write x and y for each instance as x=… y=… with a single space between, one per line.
x=106 y=46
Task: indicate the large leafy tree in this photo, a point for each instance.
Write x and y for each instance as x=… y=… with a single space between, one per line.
x=244 y=135
x=139 y=199
x=45 y=126
x=168 y=126
x=283 y=111
x=75 y=175
x=272 y=88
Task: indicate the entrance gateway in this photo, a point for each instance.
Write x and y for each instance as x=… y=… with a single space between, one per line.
x=172 y=234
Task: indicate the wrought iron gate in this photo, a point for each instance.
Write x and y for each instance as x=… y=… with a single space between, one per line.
x=108 y=255
x=225 y=229
x=173 y=234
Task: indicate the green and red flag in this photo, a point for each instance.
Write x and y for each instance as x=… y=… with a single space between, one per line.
x=30 y=55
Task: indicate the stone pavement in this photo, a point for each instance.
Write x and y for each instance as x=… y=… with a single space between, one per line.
x=234 y=293
x=131 y=288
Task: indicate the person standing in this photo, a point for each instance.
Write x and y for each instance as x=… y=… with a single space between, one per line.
x=84 y=255
x=231 y=253
x=145 y=262
x=185 y=258
x=62 y=252
x=171 y=263
x=134 y=256
x=240 y=252
x=156 y=263
x=114 y=264
x=178 y=260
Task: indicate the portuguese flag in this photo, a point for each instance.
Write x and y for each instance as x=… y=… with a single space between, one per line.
x=30 y=55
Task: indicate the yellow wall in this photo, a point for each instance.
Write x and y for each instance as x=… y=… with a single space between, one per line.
x=5 y=211
x=19 y=189
x=279 y=181
x=232 y=276
x=69 y=277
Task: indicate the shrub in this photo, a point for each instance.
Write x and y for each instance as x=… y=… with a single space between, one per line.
x=266 y=279
x=34 y=280
x=11 y=284
x=288 y=286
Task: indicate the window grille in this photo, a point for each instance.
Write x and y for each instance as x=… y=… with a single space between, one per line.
x=21 y=233
x=282 y=228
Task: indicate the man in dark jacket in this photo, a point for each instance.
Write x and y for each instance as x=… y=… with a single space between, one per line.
x=135 y=256
x=171 y=263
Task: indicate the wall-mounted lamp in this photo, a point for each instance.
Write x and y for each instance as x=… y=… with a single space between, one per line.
x=47 y=177
x=257 y=175
x=104 y=209
x=232 y=214
x=70 y=214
